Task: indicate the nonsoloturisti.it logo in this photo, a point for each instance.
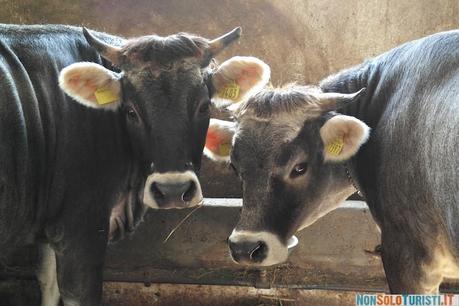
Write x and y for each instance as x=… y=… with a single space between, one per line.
x=407 y=300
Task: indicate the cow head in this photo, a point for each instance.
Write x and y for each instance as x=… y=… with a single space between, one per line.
x=288 y=148
x=164 y=90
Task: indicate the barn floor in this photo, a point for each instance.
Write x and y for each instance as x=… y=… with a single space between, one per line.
x=332 y=262
x=26 y=292
x=118 y=294
x=21 y=292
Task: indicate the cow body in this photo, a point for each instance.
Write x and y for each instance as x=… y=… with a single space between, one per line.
x=53 y=151
x=388 y=127
x=62 y=167
x=75 y=175
x=409 y=169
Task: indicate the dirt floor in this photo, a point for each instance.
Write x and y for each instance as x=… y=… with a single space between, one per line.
x=133 y=294
x=26 y=292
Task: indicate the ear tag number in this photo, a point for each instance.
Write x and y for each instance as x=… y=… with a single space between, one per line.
x=105 y=96
x=224 y=149
x=335 y=147
x=230 y=91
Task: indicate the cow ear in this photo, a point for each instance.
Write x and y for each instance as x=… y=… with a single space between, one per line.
x=342 y=137
x=239 y=78
x=219 y=140
x=91 y=85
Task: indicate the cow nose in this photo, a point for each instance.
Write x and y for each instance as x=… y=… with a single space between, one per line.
x=172 y=190
x=173 y=194
x=248 y=251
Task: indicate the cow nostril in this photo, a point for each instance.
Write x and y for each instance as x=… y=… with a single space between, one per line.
x=189 y=165
x=258 y=253
x=189 y=193
x=248 y=251
x=156 y=191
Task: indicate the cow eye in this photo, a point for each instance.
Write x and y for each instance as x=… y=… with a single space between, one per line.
x=204 y=107
x=299 y=170
x=131 y=113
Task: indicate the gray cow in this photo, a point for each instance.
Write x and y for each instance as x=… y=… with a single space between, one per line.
x=389 y=128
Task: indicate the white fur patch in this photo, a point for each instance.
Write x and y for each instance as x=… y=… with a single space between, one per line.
x=277 y=251
x=47 y=276
x=215 y=157
x=172 y=177
x=444 y=263
x=81 y=80
x=441 y=265
x=351 y=130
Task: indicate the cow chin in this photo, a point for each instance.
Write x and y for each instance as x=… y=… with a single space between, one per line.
x=172 y=190
x=274 y=251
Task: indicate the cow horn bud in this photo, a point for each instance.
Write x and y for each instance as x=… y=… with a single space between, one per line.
x=109 y=52
x=220 y=43
x=333 y=100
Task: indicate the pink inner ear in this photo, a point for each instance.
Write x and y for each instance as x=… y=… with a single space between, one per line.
x=212 y=140
x=248 y=77
x=78 y=83
x=74 y=80
x=90 y=85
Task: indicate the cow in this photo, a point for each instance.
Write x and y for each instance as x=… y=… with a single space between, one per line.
x=388 y=128
x=79 y=166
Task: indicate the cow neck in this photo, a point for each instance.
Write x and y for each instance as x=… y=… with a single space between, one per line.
x=369 y=108
x=369 y=75
x=133 y=165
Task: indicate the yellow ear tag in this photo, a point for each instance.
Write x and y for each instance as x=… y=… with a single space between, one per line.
x=105 y=96
x=224 y=149
x=335 y=147
x=230 y=91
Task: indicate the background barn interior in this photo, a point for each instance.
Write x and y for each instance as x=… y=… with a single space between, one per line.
x=302 y=41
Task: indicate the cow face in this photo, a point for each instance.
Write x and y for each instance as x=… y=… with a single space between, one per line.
x=164 y=91
x=288 y=148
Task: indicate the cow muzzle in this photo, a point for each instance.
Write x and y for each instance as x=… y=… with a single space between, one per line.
x=259 y=248
x=172 y=190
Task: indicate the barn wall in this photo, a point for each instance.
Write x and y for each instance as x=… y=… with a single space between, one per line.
x=302 y=41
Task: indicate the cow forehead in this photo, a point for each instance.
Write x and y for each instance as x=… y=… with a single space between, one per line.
x=279 y=113
x=274 y=142
x=177 y=73
x=282 y=105
x=260 y=142
x=169 y=91
x=159 y=51
x=274 y=129
x=268 y=133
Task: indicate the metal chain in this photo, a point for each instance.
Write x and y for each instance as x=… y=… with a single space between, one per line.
x=351 y=180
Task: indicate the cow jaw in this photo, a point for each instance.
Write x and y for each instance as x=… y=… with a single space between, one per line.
x=172 y=190
x=328 y=203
